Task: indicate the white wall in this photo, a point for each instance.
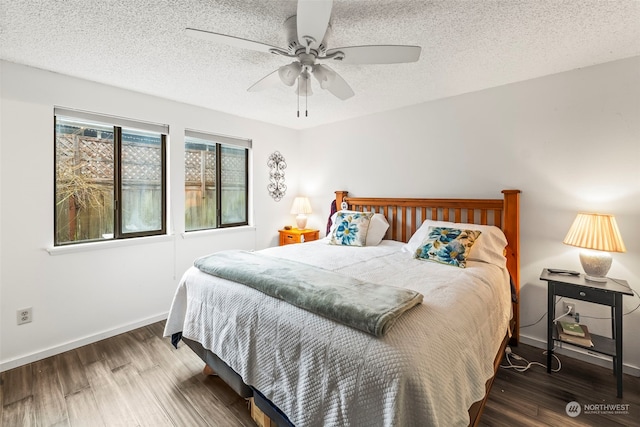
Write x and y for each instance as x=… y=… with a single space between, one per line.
x=83 y=296
x=570 y=142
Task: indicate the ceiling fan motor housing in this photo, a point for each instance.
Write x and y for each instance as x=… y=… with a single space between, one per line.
x=294 y=46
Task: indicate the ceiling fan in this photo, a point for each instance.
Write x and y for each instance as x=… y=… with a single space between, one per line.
x=307 y=33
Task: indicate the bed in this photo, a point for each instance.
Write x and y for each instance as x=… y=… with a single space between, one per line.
x=435 y=364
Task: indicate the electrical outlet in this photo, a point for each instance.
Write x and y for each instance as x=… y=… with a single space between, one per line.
x=571 y=307
x=25 y=315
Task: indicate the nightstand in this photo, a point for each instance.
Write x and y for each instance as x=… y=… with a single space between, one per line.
x=605 y=293
x=295 y=235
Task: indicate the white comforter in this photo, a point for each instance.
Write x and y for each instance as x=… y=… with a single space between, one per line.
x=428 y=369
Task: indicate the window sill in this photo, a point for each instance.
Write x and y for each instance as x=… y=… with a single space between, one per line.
x=134 y=241
x=206 y=233
x=108 y=244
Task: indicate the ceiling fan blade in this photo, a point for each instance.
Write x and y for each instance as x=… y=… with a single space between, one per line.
x=377 y=54
x=270 y=80
x=341 y=88
x=230 y=40
x=312 y=21
x=332 y=81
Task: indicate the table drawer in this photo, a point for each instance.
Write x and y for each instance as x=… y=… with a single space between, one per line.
x=290 y=238
x=585 y=294
x=298 y=236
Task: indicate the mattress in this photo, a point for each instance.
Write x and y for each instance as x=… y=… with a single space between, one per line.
x=428 y=369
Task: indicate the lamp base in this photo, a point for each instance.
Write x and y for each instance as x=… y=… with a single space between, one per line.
x=301 y=221
x=595 y=279
x=596 y=264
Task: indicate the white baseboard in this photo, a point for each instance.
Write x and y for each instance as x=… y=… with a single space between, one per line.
x=580 y=354
x=52 y=351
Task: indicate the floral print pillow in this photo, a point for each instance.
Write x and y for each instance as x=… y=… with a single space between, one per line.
x=351 y=228
x=447 y=245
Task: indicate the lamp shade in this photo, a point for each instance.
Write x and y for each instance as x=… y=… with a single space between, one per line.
x=304 y=85
x=301 y=205
x=289 y=73
x=324 y=75
x=595 y=231
x=597 y=235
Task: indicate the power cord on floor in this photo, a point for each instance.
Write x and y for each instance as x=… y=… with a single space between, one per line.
x=521 y=368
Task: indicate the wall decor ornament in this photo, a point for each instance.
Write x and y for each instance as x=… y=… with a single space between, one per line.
x=276 y=186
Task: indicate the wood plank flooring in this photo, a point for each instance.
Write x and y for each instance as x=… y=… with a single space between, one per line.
x=139 y=379
x=535 y=398
x=133 y=379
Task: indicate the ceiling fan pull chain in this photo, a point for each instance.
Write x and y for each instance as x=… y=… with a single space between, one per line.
x=306 y=97
x=298 y=96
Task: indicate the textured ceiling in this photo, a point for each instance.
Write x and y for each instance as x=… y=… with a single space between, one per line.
x=466 y=46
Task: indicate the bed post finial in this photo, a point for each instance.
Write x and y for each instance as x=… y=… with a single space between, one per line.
x=340 y=196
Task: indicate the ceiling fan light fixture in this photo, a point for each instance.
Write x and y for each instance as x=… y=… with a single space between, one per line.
x=325 y=75
x=304 y=85
x=289 y=73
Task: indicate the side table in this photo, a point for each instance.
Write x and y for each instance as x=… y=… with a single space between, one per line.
x=606 y=293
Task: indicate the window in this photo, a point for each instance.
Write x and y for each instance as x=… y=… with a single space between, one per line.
x=216 y=181
x=110 y=176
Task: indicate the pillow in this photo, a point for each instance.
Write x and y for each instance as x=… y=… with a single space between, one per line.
x=488 y=248
x=351 y=228
x=447 y=245
x=377 y=228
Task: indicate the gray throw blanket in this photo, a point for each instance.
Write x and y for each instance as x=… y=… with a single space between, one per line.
x=369 y=307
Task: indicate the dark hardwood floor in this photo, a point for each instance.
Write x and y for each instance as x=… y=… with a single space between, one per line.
x=535 y=398
x=139 y=379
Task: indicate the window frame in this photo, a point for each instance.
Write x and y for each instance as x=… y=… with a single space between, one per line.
x=219 y=141
x=118 y=124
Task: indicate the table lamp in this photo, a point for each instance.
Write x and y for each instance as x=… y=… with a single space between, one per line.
x=597 y=235
x=301 y=207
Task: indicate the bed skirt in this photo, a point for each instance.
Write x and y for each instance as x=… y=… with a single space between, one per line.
x=234 y=381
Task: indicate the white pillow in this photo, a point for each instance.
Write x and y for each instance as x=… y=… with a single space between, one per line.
x=377 y=228
x=489 y=247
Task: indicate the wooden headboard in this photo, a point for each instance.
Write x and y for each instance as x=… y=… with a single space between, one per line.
x=406 y=215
